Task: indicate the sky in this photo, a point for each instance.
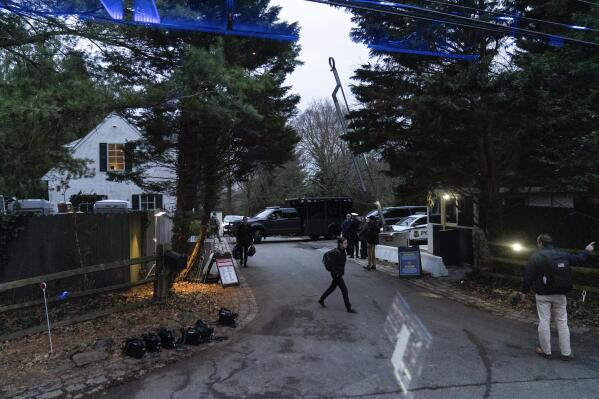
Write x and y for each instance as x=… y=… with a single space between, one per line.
x=324 y=33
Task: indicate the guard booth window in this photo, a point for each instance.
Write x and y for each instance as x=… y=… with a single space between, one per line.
x=451 y=208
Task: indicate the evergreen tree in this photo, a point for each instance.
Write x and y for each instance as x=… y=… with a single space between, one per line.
x=213 y=109
x=46 y=101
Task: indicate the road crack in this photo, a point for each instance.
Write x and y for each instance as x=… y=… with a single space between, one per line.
x=484 y=356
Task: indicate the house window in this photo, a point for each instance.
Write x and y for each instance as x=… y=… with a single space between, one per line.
x=146 y=202
x=116 y=157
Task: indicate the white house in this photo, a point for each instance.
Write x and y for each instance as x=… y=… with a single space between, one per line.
x=103 y=148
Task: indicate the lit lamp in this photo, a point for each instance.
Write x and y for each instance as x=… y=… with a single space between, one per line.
x=159 y=212
x=516 y=247
x=446 y=197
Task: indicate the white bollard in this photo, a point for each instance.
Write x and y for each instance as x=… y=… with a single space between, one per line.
x=43 y=287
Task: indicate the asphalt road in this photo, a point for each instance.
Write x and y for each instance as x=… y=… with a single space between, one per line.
x=296 y=349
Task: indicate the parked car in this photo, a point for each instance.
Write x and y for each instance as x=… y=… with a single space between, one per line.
x=415 y=226
x=229 y=224
x=112 y=206
x=32 y=206
x=307 y=216
x=394 y=214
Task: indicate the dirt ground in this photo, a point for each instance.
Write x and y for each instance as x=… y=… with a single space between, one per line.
x=26 y=361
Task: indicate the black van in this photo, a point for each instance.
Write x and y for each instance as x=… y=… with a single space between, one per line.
x=394 y=214
x=306 y=216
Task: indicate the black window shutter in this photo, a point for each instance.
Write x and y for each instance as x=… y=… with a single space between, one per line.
x=158 y=201
x=103 y=157
x=135 y=202
x=128 y=160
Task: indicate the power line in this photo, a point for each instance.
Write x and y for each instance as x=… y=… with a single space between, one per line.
x=482 y=25
x=507 y=17
x=588 y=2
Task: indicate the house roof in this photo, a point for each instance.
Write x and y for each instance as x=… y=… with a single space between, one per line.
x=73 y=145
x=77 y=143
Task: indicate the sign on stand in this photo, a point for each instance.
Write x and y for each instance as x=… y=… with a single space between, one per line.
x=410 y=264
x=226 y=271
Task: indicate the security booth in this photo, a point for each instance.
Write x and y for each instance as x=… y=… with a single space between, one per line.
x=450 y=225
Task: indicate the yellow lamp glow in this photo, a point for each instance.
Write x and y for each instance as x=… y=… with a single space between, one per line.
x=517 y=247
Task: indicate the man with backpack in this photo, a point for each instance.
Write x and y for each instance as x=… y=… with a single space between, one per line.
x=549 y=274
x=334 y=262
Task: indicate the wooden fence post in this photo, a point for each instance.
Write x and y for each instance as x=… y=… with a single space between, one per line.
x=159 y=275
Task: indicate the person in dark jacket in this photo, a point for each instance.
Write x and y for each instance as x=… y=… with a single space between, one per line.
x=245 y=238
x=372 y=240
x=550 y=298
x=345 y=227
x=337 y=271
x=362 y=236
x=352 y=239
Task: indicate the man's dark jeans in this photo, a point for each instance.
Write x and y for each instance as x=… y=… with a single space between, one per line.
x=244 y=255
x=337 y=282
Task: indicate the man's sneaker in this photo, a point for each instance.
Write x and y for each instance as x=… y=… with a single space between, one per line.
x=321 y=303
x=540 y=352
x=567 y=358
x=351 y=311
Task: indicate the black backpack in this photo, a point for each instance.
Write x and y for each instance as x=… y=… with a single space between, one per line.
x=204 y=331
x=328 y=259
x=558 y=275
x=190 y=336
x=152 y=341
x=134 y=347
x=167 y=339
x=227 y=317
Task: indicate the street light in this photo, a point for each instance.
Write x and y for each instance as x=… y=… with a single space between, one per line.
x=517 y=247
x=159 y=212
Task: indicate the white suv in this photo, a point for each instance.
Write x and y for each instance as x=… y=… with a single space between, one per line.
x=415 y=225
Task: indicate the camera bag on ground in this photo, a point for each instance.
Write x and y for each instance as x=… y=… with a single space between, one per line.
x=167 y=338
x=204 y=331
x=227 y=318
x=236 y=252
x=134 y=347
x=152 y=341
x=190 y=336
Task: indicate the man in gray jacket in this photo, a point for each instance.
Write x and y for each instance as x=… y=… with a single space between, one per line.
x=549 y=274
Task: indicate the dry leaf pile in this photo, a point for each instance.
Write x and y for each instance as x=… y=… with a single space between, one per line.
x=25 y=360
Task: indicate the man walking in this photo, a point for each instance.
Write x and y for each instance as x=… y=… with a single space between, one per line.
x=372 y=240
x=214 y=226
x=336 y=259
x=549 y=274
x=245 y=238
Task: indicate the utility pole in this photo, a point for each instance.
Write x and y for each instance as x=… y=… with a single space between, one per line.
x=343 y=122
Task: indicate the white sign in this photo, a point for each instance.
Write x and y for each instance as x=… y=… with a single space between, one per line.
x=226 y=271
